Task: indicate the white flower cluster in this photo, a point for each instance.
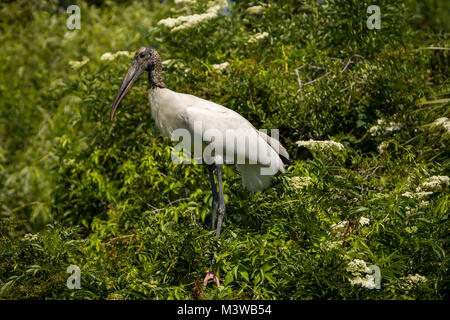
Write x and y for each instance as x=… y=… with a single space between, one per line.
x=356 y=268
x=30 y=237
x=367 y=282
x=186 y=22
x=339 y=226
x=220 y=67
x=416 y=194
x=375 y=130
x=299 y=182
x=255 y=9
x=383 y=126
x=422 y=204
x=186 y=1
x=382 y=147
x=314 y=145
x=111 y=56
x=167 y=62
x=393 y=126
x=363 y=221
x=258 y=36
x=434 y=183
x=412 y=280
x=330 y=245
x=416 y=278
x=78 y=64
x=442 y=122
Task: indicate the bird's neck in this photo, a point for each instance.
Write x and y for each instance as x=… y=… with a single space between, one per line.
x=155 y=75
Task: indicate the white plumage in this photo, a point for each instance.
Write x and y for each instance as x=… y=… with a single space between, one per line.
x=172 y=110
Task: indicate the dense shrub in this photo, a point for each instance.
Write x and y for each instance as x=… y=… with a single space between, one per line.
x=76 y=188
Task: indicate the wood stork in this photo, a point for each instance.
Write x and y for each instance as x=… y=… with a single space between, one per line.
x=172 y=111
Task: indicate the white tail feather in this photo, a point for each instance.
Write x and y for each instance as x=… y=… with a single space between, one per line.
x=252 y=179
x=275 y=144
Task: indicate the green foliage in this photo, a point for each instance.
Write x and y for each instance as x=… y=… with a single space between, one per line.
x=78 y=189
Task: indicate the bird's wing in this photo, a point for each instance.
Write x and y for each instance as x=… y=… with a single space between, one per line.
x=276 y=145
x=240 y=140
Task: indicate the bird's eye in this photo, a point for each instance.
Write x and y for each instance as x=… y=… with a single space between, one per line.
x=142 y=54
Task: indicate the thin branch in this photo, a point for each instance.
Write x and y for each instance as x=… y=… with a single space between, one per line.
x=432 y=48
x=347 y=64
x=299 y=81
x=168 y=205
x=315 y=80
x=301 y=85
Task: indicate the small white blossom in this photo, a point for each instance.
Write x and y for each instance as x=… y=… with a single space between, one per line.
x=340 y=225
x=412 y=280
x=393 y=126
x=374 y=130
x=408 y=210
x=363 y=221
x=107 y=56
x=186 y=1
x=383 y=126
x=320 y=145
x=416 y=194
x=367 y=282
x=424 y=204
x=258 y=36
x=330 y=245
x=382 y=147
x=416 y=278
x=221 y=66
x=357 y=266
x=111 y=56
x=123 y=53
x=434 y=183
x=78 y=64
x=442 y=122
x=299 y=182
x=186 y=22
x=255 y=9
x=30 y=237
x=166 y=62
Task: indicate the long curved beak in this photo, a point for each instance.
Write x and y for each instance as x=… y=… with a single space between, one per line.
x=135 y=70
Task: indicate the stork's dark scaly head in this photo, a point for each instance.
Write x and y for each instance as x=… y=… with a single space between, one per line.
x=145 y=59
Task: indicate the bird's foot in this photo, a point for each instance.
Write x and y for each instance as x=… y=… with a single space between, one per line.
x=211 y=275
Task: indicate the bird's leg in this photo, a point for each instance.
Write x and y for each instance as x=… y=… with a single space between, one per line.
x=215 y=197
x=215 y=201
x=221 y=201
x=218 y=201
